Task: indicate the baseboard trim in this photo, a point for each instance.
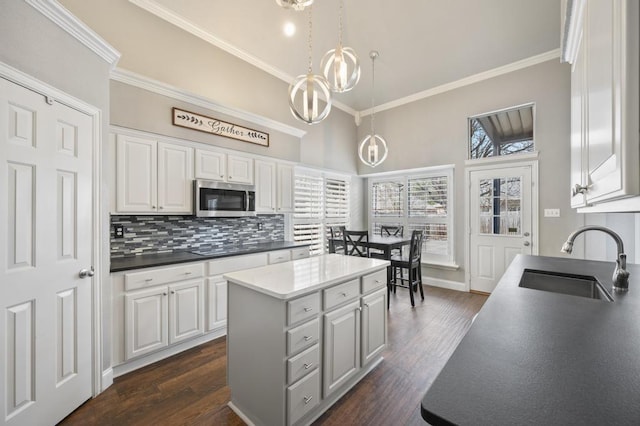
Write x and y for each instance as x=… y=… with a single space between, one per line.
x=129 y=366
x=107 y=379
x=451 y=285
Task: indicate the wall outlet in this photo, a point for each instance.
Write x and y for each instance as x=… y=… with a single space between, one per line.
x=551 y=212
x=118 y=231
x=259 y=226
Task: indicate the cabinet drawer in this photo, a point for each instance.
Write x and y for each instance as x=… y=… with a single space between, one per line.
x=302 y=364
x=303 y=336
x=279 y=256
x=136 y=280
x=339 y=294
x=236 y=263
x=303 y=308
x=303 y=397
x=299 y=253
x=373 y=281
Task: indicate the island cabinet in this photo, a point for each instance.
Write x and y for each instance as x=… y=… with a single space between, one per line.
x=301 y=333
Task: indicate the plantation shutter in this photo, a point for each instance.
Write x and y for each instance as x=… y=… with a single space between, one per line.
x=308 y=212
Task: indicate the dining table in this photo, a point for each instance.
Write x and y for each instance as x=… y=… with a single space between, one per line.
x=384 y=244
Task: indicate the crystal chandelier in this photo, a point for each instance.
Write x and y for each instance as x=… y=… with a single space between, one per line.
x=294 y=4
x=373 y=148
x=308 y=92
x=340 y=66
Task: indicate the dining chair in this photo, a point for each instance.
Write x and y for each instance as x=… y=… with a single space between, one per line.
x=411 y=262
x=337 y=232
x=353 y=243
x=392 y=231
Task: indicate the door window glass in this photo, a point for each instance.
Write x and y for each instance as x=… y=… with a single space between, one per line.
x=500 y=201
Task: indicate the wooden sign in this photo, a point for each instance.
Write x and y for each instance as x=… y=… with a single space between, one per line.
x=212 y=125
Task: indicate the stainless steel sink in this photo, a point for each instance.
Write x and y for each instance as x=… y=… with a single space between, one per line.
x=573 y=285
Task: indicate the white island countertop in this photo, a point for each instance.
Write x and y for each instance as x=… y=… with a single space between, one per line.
x=294 y=278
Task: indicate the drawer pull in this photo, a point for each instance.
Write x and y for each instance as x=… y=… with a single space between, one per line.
x=307 y=338
x=188 y=273
x=308 y=309
x=378 y=281
x=343 y=294
x=164 y=294
x=308 y=366
x=307 y=399
x=148 y=279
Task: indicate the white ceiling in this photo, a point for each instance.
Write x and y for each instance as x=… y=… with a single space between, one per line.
x=422 y=43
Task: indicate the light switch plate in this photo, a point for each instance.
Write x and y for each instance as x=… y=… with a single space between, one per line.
x=551 y=212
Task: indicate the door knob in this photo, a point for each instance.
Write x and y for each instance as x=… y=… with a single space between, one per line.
x=527 y=243
x=84 y=273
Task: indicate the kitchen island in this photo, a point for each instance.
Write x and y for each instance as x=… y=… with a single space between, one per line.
x=300 y=334
x=539 y=357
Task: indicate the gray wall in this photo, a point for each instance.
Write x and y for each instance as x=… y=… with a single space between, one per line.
x=159 y=50
x=433 y=131
x=34 y=45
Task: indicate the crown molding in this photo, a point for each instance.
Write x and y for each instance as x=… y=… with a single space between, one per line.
x=60 y=16
x=155 y=86
x=179 y=21
x=476 y=78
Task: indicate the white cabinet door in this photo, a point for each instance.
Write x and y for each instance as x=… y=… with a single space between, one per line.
x=211 y=165
x=146 y=319
x=136 y=174
x=186 y=310
x=603 y=139
x=265 y=177
x=579 y=176
x=341 y=346
x=240 y=169
x=175 y=178
x=374 y=326
x=284 y=188
x=216 y=302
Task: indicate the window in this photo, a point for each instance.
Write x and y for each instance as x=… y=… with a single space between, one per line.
x=420 y=201
x=320 y=201
x=504 y=132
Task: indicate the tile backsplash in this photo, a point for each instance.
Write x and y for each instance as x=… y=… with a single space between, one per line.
x=161 y=234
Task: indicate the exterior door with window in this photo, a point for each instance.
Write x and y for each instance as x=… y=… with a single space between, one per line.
x=500 y=222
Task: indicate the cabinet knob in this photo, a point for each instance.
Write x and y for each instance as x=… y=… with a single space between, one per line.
x=366 y=304
x=173 y=292
x=359 y=308
x=527 y=243
x=164 y=294
x=579 y=189
x=153 y=207
x=343 y=294
x=221 y=176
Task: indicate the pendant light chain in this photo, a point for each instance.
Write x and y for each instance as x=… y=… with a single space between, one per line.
x=340 y=26
x=373 y=55
x=310 y=39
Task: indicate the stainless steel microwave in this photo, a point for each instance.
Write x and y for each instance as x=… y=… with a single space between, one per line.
x=221 y=199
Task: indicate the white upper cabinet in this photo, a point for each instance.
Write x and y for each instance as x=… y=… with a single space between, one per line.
x=153 y=177
x=605 y=143
x=265 y=173
x=285 y=185
x=211 y=165
x=240 y=169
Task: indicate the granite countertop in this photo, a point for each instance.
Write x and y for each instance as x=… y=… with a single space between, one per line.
x=291 y=279
x=119 y=264
x=535 y=357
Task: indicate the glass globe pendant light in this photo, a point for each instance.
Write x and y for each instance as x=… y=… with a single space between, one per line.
x=308 y=92
x=294 y=4
x=341 y=66
x=373 y=148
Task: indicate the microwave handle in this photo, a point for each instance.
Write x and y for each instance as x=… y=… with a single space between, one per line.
x=246 y=201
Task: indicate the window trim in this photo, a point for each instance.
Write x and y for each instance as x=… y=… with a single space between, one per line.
x=405 y=175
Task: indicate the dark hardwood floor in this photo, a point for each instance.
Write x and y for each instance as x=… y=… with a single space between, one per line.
x=190 y=388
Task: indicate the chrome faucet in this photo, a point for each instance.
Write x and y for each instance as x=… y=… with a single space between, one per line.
x=620 y=274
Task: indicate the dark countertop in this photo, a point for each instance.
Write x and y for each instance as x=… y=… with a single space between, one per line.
x=535 y=357
x=119 y=264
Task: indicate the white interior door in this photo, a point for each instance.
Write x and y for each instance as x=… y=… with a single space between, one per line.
x=500 y=206
x=45 y=240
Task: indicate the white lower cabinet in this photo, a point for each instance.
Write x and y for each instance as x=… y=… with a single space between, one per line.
x=159 y=316
x=216 y=302
x=312 y=347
